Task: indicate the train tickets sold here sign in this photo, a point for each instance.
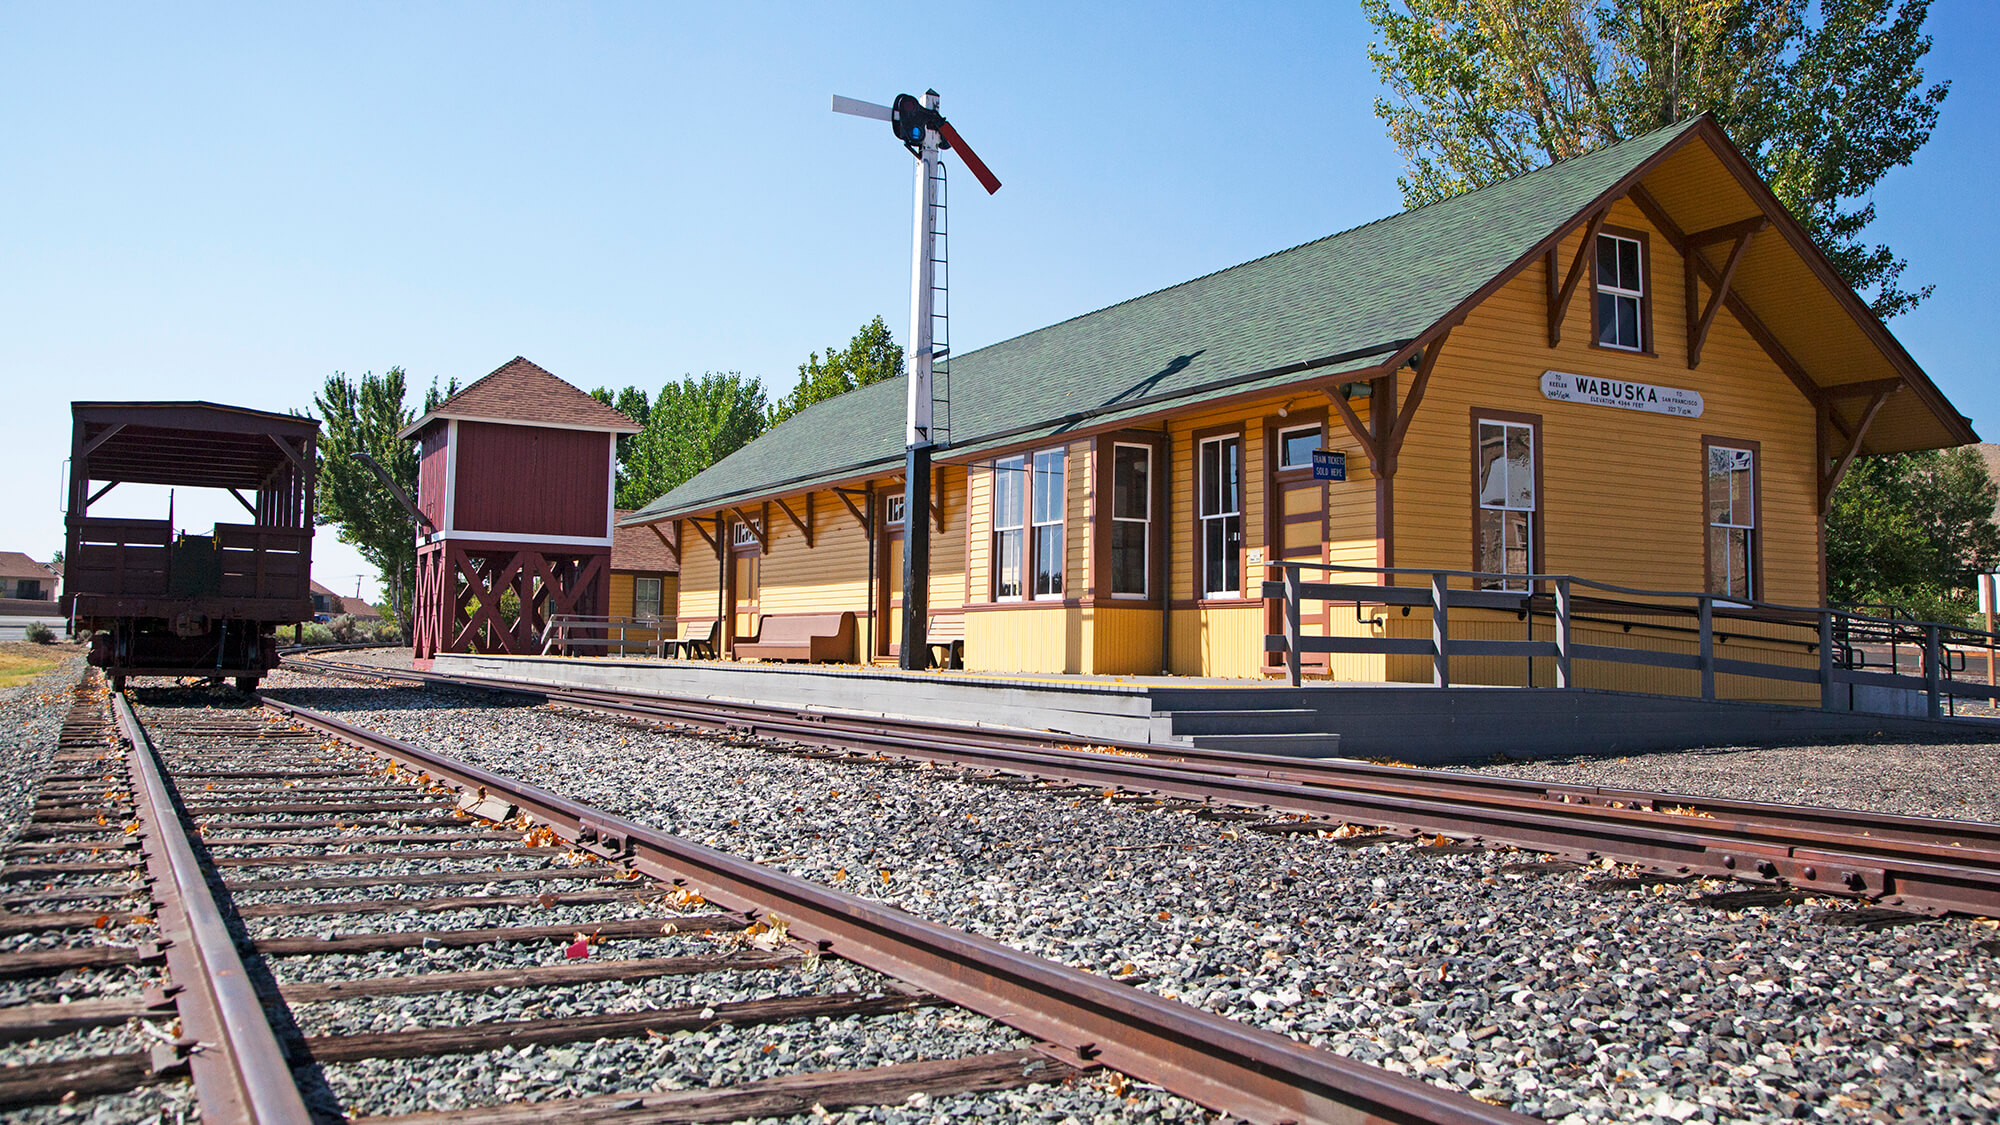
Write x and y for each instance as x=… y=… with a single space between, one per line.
x=1561 y=386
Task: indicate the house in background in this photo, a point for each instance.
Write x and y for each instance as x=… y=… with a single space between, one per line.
x=328 y=605
x=23 y=578
x=645 y=578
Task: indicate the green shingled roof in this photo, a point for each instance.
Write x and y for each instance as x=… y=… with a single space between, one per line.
x=1344 y=302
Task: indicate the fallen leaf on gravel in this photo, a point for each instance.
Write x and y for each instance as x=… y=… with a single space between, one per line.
x=885 y=876
x=1164 y=916
x=840 y=876
x=101 y=921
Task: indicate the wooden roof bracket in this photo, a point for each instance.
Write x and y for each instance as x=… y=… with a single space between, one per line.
x=1793 y=370
x=714 y=541
x=1830 y=478
x=1692 y=262
x=806 y=525
x=90 y=446
x=846 y=496
x=1559 y=296
x=1422 y=382
x=672 y=547
x=1356 y=429
x=757 y=529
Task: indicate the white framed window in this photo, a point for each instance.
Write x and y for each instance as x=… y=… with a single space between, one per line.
x=646 y=598
x=742 y=535
x=1009 y=484
x=1050 y=501
x=1621 y=293
x=1296 y=446
x=892 y=509
x=1131 y=520
x=1732 y=521
x=1505 y=535
x=1221 y=515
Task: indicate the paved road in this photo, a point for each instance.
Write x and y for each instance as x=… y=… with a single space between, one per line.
x=14 y=628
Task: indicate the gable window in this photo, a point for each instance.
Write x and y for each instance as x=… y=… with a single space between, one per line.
x=646 y=598
x=1048 y=520
x=1296 y=446
x=1221 y=516
x=1131 y=519
x=1731 y=482
x=1621 y=293
x=1505 y=478
x=1009 y=482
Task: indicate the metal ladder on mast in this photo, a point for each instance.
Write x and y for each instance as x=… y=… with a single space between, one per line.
x=940 y=312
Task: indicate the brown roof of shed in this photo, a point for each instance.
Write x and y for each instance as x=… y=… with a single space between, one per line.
x=14 y=564
x=637 y=548
x=522 y=392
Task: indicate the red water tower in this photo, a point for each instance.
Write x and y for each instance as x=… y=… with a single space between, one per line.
x=516 y=476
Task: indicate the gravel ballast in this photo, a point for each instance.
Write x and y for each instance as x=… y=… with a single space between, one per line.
x=1532 y=990
x=31 y=717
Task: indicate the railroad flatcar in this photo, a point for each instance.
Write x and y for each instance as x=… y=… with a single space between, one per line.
x=168 y=602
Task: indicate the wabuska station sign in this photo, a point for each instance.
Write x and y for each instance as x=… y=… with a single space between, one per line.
x=1561 y=386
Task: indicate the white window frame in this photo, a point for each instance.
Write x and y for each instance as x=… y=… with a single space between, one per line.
x=1230 y=507
x=1505 y=502
x=1747 y=524
x=1010 y=474
x=892 y=509
x=1144 y=522
x=1057 y=521
x=1284 y=445
x=659 y=585
x=1620 y=293
x=742 y=535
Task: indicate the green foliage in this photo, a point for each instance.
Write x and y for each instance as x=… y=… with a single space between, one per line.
x=631 y=402
x=689 y=425
x=363 y=416
x=38 y=633
x=1822 y=96
x=870 y=357
x=345 y=629
x=315 y=634
x=1913 y=530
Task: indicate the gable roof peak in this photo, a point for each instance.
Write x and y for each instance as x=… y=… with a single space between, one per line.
x=522 y=392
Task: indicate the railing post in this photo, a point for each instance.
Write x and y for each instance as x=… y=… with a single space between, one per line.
x=1826 y=660
x=1291 y=622
x=1706 y=658
x=1933 y=674
x=1440 y=630
x=1563 y=679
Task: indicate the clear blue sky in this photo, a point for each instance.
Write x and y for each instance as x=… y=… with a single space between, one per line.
x=231 y=203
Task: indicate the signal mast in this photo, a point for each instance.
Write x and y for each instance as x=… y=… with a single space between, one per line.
x=924 y=131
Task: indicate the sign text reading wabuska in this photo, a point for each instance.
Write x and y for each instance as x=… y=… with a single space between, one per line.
x=1561 y=386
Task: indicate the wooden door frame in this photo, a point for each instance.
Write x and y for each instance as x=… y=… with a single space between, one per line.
x=1277 y=482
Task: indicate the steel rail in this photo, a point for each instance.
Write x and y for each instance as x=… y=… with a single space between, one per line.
x=239 y=1069
x=1228 y=1066
x=1936 y=865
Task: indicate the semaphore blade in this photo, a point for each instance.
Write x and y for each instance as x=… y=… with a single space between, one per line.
x=987 y=179
x=860 y=108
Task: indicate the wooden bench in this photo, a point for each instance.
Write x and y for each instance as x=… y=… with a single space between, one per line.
x=814 y=637
x=691 y=645
x=946 y=638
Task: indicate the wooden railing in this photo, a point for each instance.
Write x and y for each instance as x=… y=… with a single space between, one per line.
x=576 y=630
x=1825 y=634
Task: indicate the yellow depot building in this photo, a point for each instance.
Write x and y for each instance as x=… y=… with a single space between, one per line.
x=1633 y=367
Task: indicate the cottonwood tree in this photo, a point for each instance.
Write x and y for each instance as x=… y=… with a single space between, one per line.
x=1913 y=530
x=870 y=357
x=690 y=425
x=363 y=416
x=1822 y=96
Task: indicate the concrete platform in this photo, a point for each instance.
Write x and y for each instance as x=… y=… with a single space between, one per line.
x=1404 y=722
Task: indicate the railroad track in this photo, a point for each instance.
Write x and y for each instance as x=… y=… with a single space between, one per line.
x=1923 y=864
x=256 y=865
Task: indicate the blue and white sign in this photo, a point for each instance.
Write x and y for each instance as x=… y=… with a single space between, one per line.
x=1329 y=464
x=1561 y=386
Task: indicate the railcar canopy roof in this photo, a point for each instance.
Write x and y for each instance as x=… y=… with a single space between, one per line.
x=194 y=444
x=1349 y=303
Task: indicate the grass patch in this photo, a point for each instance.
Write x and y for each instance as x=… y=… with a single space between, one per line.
x=18 y=668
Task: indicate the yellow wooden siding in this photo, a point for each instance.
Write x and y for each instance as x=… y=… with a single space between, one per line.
x=1218 y=641
x=1126 y=641
x=948 y=546
x=1029 y=638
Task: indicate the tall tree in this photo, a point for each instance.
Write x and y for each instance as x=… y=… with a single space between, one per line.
x=1823 y=96
x=363 y=416
x=690 y=425
x=870 y=357
x=1913 y=530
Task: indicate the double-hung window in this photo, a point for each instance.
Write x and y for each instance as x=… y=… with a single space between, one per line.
x=1009 y=549
x=1048 y=516
x=1296 y=447
x=1131 y=519
x=1621 y=293
x=1221 y=515
x=1504 y=538
x=646 y=598
x=1732 y=521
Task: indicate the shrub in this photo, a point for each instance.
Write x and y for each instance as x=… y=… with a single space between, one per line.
x=39 y=633
x=345 y=629
x=316 y=634
x=385 y=632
